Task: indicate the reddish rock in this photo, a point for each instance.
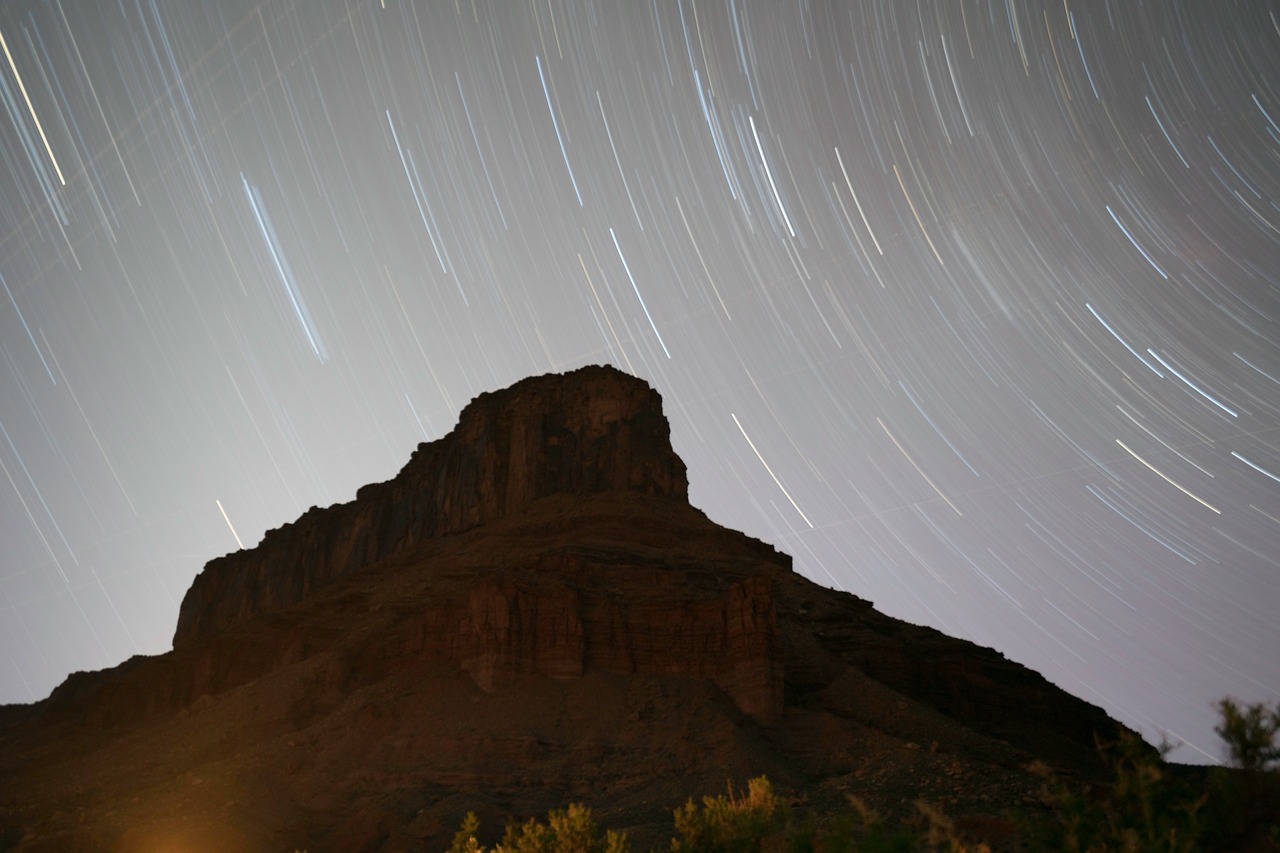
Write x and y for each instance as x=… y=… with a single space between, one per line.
x=529 y=614
x=593 y=430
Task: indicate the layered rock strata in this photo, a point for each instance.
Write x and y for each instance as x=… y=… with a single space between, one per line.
x=590 y=431
x=530 y=613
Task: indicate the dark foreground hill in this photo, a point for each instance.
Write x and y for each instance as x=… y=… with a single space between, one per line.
x=530 y=613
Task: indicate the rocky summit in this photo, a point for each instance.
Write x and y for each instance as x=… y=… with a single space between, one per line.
x=529 y=614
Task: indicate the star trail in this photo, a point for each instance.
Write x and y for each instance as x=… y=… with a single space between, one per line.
x=969 y=305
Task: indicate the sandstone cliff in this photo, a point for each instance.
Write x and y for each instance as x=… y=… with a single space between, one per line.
x=595 y=430
x=529 y=613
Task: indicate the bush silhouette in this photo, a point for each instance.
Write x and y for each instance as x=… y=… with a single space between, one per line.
x=1249 y=734
x=1148 y=806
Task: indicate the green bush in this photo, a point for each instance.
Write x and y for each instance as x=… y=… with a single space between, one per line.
x=571 y=830
x=727 y=824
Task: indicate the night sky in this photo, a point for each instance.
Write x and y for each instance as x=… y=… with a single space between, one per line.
x=969 y=306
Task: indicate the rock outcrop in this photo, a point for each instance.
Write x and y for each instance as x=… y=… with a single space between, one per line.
x=530 y=613
x=560 y=630
x=594 y=430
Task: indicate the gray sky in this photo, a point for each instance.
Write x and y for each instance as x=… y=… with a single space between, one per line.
x=969 y=306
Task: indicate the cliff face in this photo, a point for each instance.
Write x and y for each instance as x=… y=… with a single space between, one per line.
x=729 y=639
x=530 y=613
x=593 y=430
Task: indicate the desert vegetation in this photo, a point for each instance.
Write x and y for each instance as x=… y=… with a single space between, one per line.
x=1148 y=805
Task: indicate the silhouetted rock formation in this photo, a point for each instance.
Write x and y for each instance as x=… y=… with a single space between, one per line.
x=529 y=613
x=599 y=431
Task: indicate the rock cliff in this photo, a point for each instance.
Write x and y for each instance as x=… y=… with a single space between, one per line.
x=529 y=613
x=560 y=630
x=594 y=430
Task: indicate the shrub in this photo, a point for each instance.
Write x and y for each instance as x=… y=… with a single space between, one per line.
x=1148 y=806
x=571 y=830
x=464 y=840
x=1249 y=734
x=727 y=824
x=1144 y=808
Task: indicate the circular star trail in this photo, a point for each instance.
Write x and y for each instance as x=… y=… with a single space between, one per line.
x=969 y=306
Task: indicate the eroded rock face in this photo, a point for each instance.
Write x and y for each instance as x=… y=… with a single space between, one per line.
x=529 y=614
x=592 y=430
x=553 y=629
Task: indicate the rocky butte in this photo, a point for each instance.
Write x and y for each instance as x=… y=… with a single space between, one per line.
x=530 y=613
